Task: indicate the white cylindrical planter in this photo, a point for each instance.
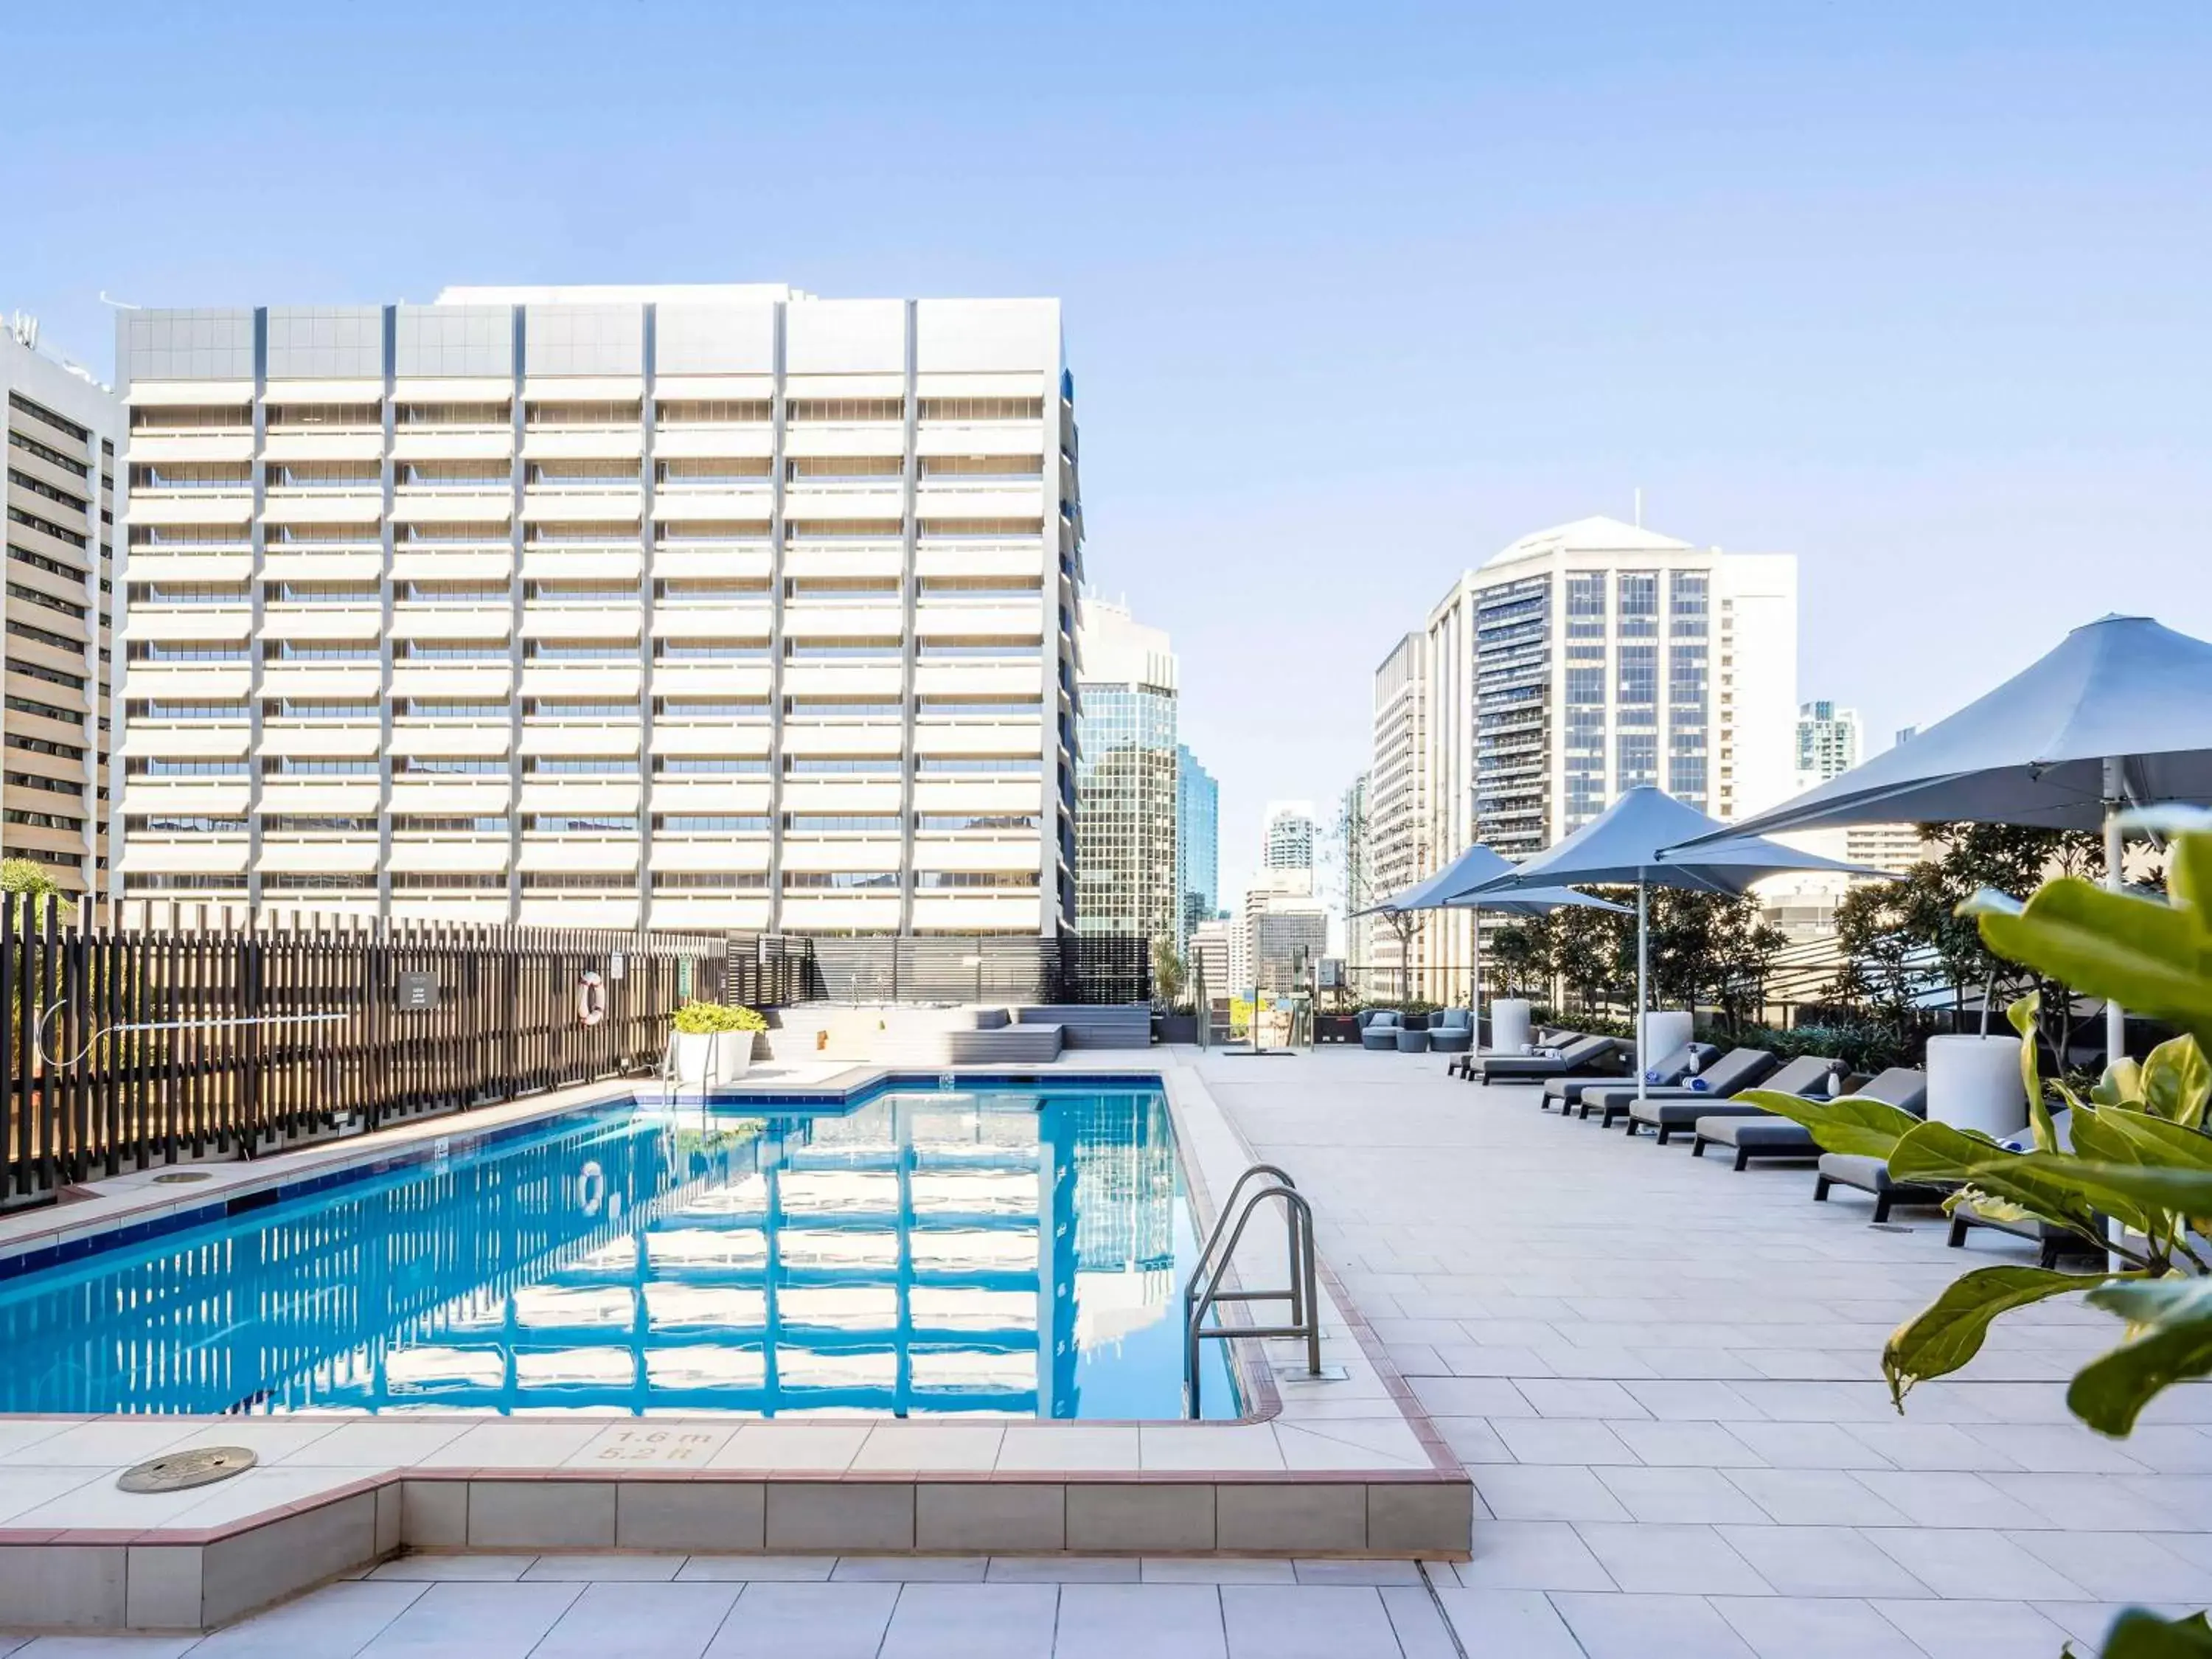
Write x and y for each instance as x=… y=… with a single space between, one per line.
x=1973 y=1083
x=1665 y=1029
x=705 y=1059
x=1509 y=1025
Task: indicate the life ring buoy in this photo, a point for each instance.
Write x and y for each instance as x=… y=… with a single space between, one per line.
x=591 y=1188
x=591 y=999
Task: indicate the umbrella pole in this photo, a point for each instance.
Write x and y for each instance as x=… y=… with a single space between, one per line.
x=1475 y=952
x=1643 y=973
x=2116 y=1017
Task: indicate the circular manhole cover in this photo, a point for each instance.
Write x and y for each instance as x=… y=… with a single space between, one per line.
x=180 y=1174
x=201 y=1467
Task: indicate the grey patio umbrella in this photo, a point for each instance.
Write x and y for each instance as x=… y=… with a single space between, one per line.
x=2118 y=714
x=1626 y=844
x=1450 y=888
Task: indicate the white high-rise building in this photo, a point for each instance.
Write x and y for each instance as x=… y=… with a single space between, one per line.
x=1828 y=741
x=715 y=606
x=1287 y=841
x=63 y=429
x=1397 y=795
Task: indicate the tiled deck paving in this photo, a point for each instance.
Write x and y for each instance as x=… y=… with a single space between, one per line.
x=1663 y=1376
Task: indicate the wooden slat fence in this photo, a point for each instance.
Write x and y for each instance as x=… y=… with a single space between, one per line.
x=123 y=1050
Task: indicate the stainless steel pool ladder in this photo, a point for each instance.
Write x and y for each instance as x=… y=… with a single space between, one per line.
x=1204 y=1289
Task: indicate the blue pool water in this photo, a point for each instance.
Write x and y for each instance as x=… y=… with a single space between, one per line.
x=990 y=1250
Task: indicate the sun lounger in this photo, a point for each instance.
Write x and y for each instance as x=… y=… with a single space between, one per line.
x=1807 y=1074
x=1736 y=1070
x=1871 y=1175
x=1578 y=1055
x=2051 y=1242
x=1548 y=1036
x=1666 y=1073
x=1900 y=1086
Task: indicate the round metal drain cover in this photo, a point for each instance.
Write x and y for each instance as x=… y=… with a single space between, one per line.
x=178 y=1471
x=170 y=1180
x=1888 y=1227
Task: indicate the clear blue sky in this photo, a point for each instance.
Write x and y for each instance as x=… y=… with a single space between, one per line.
x=1355 y=294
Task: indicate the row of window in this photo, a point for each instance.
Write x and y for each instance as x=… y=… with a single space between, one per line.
x=705 y=535
x=582 y=590
x=676 y=708
x=62 y=423
x=626 y=651
x=675 y=411
x=611 y=884
x=624 y=767
x=192 y=823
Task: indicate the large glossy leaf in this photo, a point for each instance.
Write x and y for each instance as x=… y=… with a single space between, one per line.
x=2189 y=871
x=2097 y=1138
x=2121 y=1085
x=2172 y=1322
x=2150 y=955
x=2023 y=1014
x=2184 y=1191
x=1948 y=1332
x=2043 y=1183
x=1851 y=1123
x=2136 y=1634
x=2176 y=1081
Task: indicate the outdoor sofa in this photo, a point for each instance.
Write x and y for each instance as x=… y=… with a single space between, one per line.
x=1576 y=1055
x=1771 y=1136
x=1717 y=1079
x=1808 y=1075
x=1378 y=1029
x=1665 y=1073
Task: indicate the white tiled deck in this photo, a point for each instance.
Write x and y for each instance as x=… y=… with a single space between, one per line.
x=1662 y=1376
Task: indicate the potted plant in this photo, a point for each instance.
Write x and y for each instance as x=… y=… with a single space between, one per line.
x=714 y=1042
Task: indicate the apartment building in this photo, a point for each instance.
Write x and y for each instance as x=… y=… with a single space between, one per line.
x=1125 y=785
x=713 y=606
x=1397 y=793
x=1828 y=741
x=63 y=430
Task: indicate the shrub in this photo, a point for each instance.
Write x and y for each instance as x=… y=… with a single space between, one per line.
x=707 y=1018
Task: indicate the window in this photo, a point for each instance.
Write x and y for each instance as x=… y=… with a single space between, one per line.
x=50 y=676
x=837 y=824
x=170 y=824
x=185 y=593
x=1639 y=604
x=44 y=711
x=964 y=823
x=982 y=588
x=484 y=536
x=842 y=709
x=453 y=415
x=1026 y=708
x=1685 y=680
x=700 y=823
x=708 y=650
x=47 y=527
x=930 y=528
x=421 y=881
x=324 y=474
x=982 y=466
x=581 y=650
x=321 y=766
x=712 y=412
x=982 y=408
x=50 y=457
x=678 y=881
x=51 y=567
x=156 y=710
x=326 y=414
x=162 y=766
x=316 y=823
x=744 y=708
x=819 y=411
x=230 y=881
x=45 y=746
x=718 y=469
x=453 y=592
x=425 y=824
x=838 y=880
x=1639 y=674
x=454 y=650
x=320 y=651
x=566 y=824
x=191 y=418
x=40 y=487
x=1010 y=646
x=710 y=587
x=292 y=709
x=581 y=414
x=46 y=637
x=597 y=881
x=454 y=765
x=1637 y=759
x=800 y=468
x=589 y=474
x=577 y=708
x=677 y=766
x=316 y=881
x=834 y=590
x=366 y=593
x=1686 y=602
x=584 y=592
x=979 y=763
x=596 y=765
x=942 y=880
x=822 y=766
x=41 y=413
x=51 y=786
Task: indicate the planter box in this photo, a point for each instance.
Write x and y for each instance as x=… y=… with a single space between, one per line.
x=1336 y=1028
x=711 y=1059
x=1175 y=1028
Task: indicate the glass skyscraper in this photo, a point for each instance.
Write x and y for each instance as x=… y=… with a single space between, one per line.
x=1198 y=845
x=1126 y=778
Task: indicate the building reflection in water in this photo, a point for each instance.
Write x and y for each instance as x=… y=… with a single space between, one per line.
x=1005 y=1255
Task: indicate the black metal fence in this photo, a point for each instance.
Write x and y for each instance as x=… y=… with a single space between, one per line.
x=122 y=1050
x=1068 y=969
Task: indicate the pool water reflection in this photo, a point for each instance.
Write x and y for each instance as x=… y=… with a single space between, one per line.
x=1015 y=1252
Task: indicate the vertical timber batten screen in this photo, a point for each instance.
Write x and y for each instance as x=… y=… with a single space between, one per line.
x=273 y=1038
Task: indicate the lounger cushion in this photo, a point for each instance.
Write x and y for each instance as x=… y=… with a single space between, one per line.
x=1671 y=1115
x=1770 y=1135
x=1871 y=1175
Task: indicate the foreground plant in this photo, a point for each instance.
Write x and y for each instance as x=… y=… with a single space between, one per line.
x=2132 y=1175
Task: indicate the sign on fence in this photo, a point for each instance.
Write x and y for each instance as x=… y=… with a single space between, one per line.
x=418 y=989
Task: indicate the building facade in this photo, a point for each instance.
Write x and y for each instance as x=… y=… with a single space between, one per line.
x=1287 y=840
x=1198 y=844
x=1127 y=786
x=1397 y=798
x=1828 y=740
x=63 y=429
x=720 y=606
x=1357 y=888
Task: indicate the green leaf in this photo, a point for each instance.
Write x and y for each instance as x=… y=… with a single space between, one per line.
x=2120 y=1085
x=2022 y=1014
x=2184 y=1192
x=2189 y=871
x=2044 y=1183
x=1948 y=1332
x=2097 y=1138
x=2147 y=955
x=2177 y=1080
x=2136 y=1634
x=1851 y=1123
x=2172 y=1322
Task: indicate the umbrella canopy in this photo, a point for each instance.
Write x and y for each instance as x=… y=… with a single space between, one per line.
x=1629 y=843
x=1640 y=839
x=2034 y=751
x=1451 y=885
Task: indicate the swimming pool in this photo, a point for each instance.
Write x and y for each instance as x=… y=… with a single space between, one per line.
x=954 y=1247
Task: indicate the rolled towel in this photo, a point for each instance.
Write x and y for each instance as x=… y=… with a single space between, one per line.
x=1651 y=1075
x=1697 y=1085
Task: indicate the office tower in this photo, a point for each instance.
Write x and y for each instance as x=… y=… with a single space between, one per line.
x=1281 y=916
x=1210 y=957
x=1126 y=784
x=713 y=605
x=1397 y=796
x=1287 y=841
x=1827 y=743
x=1198 y=843
x=62 y=428
x=1352 y=895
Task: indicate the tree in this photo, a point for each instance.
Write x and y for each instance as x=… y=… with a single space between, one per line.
x=1170 y=976
x=1586 y=948
x=28 y=881
x=1522 y=954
